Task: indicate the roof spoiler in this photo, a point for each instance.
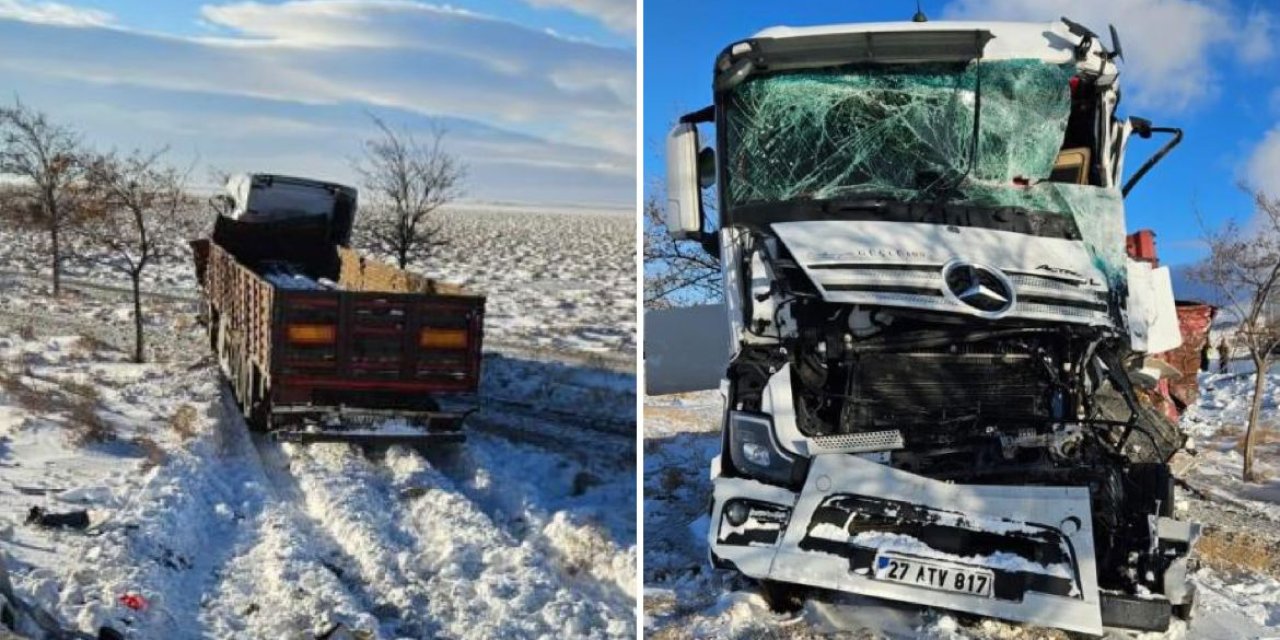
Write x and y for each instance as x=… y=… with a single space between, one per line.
x=755 y=55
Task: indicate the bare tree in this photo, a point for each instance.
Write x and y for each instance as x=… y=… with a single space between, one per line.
x=675 y=272
x=43 y=155
x=1243 y=267
x=405 y=181
x=133 y=199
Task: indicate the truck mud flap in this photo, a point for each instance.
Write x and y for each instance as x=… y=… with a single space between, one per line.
x=1017 y=553
x=1133 y=612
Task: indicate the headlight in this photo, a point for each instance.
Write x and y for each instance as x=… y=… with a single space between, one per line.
x=754 y=451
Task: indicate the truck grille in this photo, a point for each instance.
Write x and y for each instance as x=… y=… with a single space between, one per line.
x=1038 y=297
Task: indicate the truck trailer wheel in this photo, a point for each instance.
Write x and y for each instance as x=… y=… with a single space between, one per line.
x=257 y=401
x=259 y=417
x=211 y=324
x=1187 y=610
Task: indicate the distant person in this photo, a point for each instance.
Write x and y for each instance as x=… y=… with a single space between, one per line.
x=1224 y=355
x=1204 y=356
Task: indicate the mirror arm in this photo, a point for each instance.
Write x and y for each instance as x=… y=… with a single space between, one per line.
x=705 y=114
x=710 y=243
x=1145 y=132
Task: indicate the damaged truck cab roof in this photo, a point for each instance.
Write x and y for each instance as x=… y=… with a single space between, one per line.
x=1050 y=42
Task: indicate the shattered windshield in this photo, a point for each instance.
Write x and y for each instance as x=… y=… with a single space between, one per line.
x=898 y=131
x=903 y=132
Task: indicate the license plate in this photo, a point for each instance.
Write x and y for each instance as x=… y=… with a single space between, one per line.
x=932 y=574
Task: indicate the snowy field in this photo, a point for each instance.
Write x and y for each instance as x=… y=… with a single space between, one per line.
x=197 y=528
x=556 y=281
x=1238 y=580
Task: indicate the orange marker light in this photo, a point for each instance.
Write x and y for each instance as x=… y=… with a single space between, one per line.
x=433 y=338
x=312 y=333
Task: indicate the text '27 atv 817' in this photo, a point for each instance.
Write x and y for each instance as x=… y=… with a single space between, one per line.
x=935 y=323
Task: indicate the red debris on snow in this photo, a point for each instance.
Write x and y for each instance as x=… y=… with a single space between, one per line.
x=134 y=601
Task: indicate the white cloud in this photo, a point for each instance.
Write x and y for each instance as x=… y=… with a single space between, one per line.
x=1168 y=44
x=360 y=23
x=255 y=134
x=53 y=13
x=389 y=53
x=619 y=15
x=1257 y=36
x=537 y=116
x=1262 y=170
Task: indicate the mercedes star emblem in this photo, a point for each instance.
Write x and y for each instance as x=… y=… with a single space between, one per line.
x=986 y=290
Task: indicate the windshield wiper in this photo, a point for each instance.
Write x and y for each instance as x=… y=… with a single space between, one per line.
x=860 y=203
x=765 y=212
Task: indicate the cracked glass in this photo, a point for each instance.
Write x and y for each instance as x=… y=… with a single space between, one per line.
x=905 y=132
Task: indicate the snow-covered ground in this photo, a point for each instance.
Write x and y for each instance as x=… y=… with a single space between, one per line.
x=556 y=281
x=566 y=282
x=1239 y=578
x=200 y=529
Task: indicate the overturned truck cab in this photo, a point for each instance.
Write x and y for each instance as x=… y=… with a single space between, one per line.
x=936 y=329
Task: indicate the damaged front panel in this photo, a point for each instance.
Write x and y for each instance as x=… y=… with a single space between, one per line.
x=907 y=265
x=1018 y=553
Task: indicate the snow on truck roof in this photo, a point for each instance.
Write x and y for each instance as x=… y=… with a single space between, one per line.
x=1048 y=41
x=263 y=197
x=244 y=180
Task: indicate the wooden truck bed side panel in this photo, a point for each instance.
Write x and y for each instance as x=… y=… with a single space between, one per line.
x=364 y=274
x=242 y=299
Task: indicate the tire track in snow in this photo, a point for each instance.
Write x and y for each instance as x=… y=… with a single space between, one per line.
x=278 y=586
x=555 y=516
x=293 y=575
x=335 y=491
x=485 y=583
x=530 y=426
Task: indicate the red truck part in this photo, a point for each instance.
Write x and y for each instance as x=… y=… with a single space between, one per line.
x=1142 y=246
x=1194 y=321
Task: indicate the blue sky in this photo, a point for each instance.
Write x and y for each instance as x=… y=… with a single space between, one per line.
x=1208 y=66
x=538 y=96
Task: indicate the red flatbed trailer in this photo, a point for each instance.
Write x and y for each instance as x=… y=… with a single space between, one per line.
x=378 y=342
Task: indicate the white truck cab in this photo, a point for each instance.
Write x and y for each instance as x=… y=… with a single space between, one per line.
x=933 y=322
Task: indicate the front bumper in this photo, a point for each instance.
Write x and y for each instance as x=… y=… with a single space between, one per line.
x=1036 y=541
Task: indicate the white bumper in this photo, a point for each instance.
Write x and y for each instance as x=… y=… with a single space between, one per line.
x=776 y=545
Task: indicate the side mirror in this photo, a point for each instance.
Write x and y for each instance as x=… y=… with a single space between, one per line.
x=683 y=214
x=1142 y=128
x=222 y=204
